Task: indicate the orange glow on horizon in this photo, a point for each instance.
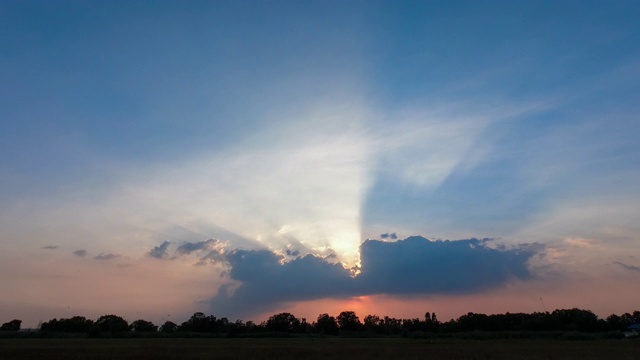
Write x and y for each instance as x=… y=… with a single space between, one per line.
x=517 y=297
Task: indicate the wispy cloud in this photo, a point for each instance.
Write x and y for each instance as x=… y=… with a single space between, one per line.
x=189 y=247
x=301 y=182
x=627 y=267
x=424 y=145
x=50 y=247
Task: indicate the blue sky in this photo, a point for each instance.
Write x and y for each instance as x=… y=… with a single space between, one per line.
x=311 y=126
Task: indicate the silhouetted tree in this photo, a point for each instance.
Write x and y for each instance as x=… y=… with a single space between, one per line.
x=199 y=322
x=410 y=325
x=576 y=320
x=349 y=321
x=391 y=325
x=196 y=323
x=538 y=321
x=283 y=322
x=250 y=326
x=143 y=326
x=559 y=320
x=434 y=318
x=76 y=324
x=373 y=323
x=112 y=324
x=431 y=322
x=327 y=325
x=305 y=327
x=237 y=327
x=168 y=327
x=13 y=325
x=473 y=322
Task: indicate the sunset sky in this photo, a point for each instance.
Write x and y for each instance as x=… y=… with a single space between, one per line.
x=159 y=158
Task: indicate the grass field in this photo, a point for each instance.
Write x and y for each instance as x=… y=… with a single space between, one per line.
x=315 y=348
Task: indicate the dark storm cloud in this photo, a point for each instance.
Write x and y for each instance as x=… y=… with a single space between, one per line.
x=50 y=247
x=160 y=252
x=189 y=247
x=417 y=265
x=627 y=267
x=80 y=253
x=102 y=256
x=266 y=282
x=411 y=266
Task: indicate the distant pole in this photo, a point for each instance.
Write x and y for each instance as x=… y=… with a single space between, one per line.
x=543 y=307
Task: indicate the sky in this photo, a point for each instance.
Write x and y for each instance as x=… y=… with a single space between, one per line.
x=243 y=158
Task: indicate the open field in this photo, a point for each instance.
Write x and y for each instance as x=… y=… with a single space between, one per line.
x=315 y=348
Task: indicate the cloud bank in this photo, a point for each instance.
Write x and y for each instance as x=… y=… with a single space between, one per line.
x=263 y=280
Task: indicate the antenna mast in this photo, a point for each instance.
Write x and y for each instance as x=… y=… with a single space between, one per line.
x=543 y=307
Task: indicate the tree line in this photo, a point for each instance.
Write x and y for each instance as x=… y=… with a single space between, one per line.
x=346 y=323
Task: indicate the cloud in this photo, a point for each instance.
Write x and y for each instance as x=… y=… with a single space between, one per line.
x=214 y=248
x=417 y=265
x=213 y=257
x=80 y=253
x=433 y=141
x=628 y=267
x=50 y=247
x=290 y=252
x=160 y=252
x=266 y=282
x=411 y=266
x=102 y=256
x=189 y=247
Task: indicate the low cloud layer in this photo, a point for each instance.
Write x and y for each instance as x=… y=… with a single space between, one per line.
x=411 y=266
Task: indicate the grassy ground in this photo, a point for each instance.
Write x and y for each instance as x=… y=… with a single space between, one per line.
x=315 y=348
